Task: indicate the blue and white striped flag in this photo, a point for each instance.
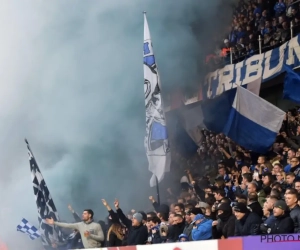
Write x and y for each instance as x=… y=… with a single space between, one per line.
x=27 y=228
x=156 y=139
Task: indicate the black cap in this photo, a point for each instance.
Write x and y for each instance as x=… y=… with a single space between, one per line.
x=196 y=211
x=241 y=207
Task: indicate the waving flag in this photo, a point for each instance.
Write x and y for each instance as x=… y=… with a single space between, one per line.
x=291 y=90
x=28 y=229
x=45 y=204
x=156 y=139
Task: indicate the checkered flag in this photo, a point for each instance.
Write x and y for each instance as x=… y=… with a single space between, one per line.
x=45 y=205
x=28 y=229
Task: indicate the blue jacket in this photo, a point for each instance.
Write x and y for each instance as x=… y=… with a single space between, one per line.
x=203 y=230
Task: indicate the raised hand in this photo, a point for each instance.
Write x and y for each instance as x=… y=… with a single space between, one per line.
x=50 y=221
x=70 y=208
x=104 y=202
x=116 y=203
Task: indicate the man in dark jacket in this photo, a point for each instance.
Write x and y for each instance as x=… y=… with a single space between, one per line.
x=138 y=233
x=225 y=225
x=254 y=205
x=283 y=223
x=177 y=228
x=247 y=223
x=291 y=200
x=189 y=225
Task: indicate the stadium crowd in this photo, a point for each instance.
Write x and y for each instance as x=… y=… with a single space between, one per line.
x=266 y=22
x=242 y=194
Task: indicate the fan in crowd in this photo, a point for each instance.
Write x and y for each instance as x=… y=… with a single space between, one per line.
x=241 y=193
x=268 y=21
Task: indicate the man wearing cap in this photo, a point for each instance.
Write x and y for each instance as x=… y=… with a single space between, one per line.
x=283 y=223
x=247 y=223
x=138 y=233
x=226 y=222
x=202 y=229
x=189 y=218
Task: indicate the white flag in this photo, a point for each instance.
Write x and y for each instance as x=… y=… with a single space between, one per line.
x=156 y=139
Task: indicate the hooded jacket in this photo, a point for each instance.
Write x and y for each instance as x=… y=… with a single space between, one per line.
x=248 y=225
x=203 y=230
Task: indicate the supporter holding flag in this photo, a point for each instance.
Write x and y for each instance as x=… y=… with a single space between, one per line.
x=202 y=229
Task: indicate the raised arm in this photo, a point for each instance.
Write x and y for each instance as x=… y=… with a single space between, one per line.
x=113 y=215
x=61 y=224
x=75 y=215
x=122 y=216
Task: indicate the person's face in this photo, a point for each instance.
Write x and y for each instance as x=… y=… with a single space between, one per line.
x=238 y=215
x=251 y=188
x=269 y=204
x=245 y=169
x=171 y=219
x=266 y=212
x=207 y=191
x=297 y=186
x=176 y=220
x=291 y=154
x=280 y=19
x=277 y=211
x=222 y=171
x=290 y=179
x=188 y=218
x=281 y=145
x=265 y=180
x=279 y=176
x=207 y=212
x=86 y=216
x=135 y=222
x=177 y=209
x=148 y=225
x=276 y=169
x=290 y=200
x=294 y=162
x=260 y=160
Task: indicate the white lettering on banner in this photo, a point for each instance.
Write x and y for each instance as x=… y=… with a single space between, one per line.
x=225 y=78
x=268 y=65
x=253 y=68
x=293 y=51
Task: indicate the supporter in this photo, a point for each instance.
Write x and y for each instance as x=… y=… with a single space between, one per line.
x=179 y=208
x=290 y=179
x=283 y=224
x=225 y=225
x=138 y=233
x=247 y=223
x=183 y=238
x=91 y=232
x=202 y=229
x=268 y=214
x=154 y=234
x=177 y=228
x=295 y=166
x=253 y=204
x=297 y=186
x=291 y=200
x=279 y=8
x=171 y=218
x=115 y=235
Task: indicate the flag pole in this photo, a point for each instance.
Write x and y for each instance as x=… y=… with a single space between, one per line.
x=157 y=191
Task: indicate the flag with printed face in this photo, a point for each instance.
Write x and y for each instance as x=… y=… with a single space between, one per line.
x=45 y=205
x=156 y=139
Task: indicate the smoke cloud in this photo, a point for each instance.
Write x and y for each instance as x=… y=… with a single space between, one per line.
x=72 y=84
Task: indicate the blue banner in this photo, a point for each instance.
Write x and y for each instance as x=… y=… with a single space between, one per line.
x=267 y=65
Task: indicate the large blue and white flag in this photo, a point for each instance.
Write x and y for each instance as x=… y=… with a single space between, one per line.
x=45 y=205
x=156 y=139
x=291 y=90
x=253 y=122
x=27 y=228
